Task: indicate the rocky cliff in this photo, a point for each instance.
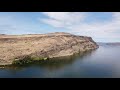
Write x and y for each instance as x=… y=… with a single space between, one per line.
x=42 y=46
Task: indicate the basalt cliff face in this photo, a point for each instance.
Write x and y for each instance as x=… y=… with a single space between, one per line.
x=18 y=47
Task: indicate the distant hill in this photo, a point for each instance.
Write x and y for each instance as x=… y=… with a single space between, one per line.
x=2 y=34
x=114 y=43
x=118 y=43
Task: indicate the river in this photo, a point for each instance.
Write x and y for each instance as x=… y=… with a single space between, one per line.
x=101 y=63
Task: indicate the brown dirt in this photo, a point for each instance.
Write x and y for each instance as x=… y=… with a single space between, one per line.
x=42 y=45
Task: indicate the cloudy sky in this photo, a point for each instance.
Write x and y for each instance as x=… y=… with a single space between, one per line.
x=101 y=26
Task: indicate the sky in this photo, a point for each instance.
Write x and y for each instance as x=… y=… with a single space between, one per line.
x=101 y=26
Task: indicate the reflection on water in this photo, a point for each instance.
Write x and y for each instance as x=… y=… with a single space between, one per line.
x=103 y=62
x=54 y=63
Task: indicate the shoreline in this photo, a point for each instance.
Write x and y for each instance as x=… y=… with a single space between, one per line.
x=48 y=60
x=42 y=47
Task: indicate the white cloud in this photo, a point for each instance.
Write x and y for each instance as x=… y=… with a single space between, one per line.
x=63 y=19
x=116 y=16
x=74 y=22
x=106 y=30
x=6 y=24
x=10 y=25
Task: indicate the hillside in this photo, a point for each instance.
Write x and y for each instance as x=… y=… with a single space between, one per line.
x=18 y=47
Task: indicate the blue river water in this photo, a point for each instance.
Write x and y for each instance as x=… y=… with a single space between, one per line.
x=101 y=63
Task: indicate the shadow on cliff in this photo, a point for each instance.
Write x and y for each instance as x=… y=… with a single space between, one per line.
x=55 y=63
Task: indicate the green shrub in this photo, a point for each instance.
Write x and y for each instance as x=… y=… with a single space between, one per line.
x=27 y=60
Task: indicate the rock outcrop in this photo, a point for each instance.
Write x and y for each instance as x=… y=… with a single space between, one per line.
x=18 y=47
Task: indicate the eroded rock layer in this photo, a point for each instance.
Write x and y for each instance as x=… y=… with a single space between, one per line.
x=17 y=47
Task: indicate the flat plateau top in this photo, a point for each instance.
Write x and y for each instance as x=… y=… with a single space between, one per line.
x=33 y=35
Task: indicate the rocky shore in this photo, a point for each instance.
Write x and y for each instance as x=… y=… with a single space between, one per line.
x=15 y=48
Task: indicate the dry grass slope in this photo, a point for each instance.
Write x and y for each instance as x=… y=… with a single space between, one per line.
x=17 y=47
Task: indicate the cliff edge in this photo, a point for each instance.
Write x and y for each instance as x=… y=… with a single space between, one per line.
x=18 y=47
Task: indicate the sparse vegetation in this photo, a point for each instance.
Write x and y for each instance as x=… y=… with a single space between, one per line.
x=41 y=46
x=27 y=60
